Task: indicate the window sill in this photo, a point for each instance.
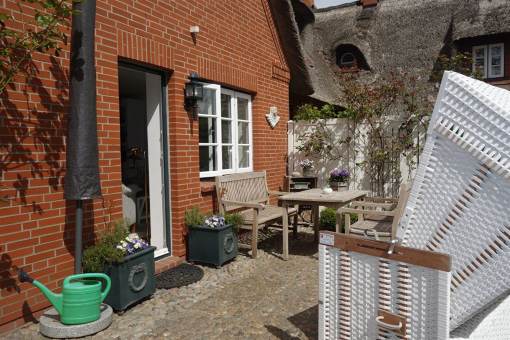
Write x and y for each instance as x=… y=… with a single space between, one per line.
x=498 y=80
x=348 y=69
x=207 y=187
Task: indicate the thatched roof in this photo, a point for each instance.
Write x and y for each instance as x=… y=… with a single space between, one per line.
x=287 y=13
x=406 y=34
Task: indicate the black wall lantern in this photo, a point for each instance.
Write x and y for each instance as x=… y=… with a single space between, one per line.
x=193 y=92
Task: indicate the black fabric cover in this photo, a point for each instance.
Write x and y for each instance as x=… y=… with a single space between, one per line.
x=82 y=175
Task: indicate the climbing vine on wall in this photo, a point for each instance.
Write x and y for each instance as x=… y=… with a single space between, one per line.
x=44 y=34
x=385 y=117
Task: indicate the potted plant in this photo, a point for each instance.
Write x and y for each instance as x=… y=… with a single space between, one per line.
x=129 y=262
x=338 y=179
x=211 y=240
x=307 y=166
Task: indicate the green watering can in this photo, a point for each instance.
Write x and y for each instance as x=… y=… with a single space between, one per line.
x=81 y=296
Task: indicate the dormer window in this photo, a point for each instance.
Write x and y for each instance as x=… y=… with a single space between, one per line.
x=488 y=60
x=350 y=59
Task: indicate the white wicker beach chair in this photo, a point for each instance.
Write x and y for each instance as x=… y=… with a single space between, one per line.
x=366 y=293
x=460 y=199
x=459 y=205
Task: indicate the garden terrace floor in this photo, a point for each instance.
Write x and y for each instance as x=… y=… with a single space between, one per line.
x=266 y=298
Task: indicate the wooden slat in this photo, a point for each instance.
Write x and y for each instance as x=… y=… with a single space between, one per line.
x=418 y=257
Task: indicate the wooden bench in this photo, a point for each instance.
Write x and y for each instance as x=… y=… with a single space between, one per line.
x=248 y=194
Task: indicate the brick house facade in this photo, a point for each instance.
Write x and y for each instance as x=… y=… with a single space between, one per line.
x=237 y=47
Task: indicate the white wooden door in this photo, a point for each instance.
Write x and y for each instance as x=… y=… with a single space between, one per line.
x=155 y=149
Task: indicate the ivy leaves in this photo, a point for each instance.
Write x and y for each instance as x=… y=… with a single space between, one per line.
x=44 y=34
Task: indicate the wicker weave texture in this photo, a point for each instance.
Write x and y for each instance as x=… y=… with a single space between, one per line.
x=491 y=323
x=460 y=199
x=353 y=287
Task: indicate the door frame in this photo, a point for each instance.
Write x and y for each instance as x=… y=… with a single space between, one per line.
x=165 y=77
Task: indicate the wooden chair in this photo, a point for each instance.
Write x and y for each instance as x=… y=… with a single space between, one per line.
x=248 y=194
x=377 y=217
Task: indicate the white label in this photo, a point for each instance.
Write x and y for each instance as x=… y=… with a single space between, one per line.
x=327 y=239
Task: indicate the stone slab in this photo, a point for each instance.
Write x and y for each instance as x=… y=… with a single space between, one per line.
x=50 y=326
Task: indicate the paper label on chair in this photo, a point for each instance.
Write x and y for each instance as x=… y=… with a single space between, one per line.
x=327 y=239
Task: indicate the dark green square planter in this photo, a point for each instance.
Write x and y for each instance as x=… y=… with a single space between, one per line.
x=212 y=245
x=132 y=280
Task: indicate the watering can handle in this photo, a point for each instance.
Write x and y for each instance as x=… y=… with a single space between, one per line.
x=105 y=277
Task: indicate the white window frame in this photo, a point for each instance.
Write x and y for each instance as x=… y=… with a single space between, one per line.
x=489 y=58
x=487 y=69
x=234 y=95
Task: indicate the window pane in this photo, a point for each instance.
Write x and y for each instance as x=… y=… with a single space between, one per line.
x=208 y=158
x=496 y=58
x=479 y=60
x=242 y=109
x=207 y=129
x=225 y=106
x=243 y=132
x=226 y=156
x=226 y=131
x=207 y=105
x=244 y=156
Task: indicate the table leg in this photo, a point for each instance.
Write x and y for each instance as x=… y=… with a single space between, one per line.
x=338 y=228
x=285 y=220
x=315 y=212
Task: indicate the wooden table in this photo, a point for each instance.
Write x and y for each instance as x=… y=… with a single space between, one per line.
x=316 y=198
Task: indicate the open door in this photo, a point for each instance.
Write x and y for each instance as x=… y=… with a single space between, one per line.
x=144 y=155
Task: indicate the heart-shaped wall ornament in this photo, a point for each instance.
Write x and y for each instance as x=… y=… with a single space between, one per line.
x=272 y=117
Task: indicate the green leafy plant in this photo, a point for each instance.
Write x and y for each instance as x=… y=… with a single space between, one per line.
x=235 y=219
x=193 y=217
x=105 y=251
x=44 y=34
x=461 y=62
x=385 y=119
x=308 y=112
x=327 y=219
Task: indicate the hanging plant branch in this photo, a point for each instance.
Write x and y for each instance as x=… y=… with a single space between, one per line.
x=45 y=34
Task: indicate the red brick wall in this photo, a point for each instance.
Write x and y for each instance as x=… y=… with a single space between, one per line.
x=237 y=46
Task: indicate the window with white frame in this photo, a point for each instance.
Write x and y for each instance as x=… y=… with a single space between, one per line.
x=488 y=60
x=225 y=132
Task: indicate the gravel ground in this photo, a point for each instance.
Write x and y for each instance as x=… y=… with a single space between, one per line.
x=266 y=298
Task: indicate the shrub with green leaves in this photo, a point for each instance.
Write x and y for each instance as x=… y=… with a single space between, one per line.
x=193 y=217
x=327 y=219
x=105 y=251
x=235 y=219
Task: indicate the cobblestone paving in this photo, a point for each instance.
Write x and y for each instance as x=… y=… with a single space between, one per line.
x=266 y=298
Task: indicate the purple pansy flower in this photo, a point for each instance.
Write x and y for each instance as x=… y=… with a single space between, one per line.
x=339 y=175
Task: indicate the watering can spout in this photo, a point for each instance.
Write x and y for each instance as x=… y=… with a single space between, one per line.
x=55 y=299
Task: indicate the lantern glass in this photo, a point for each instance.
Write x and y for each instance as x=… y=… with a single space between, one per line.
x=198 y=90
x=189 y=90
